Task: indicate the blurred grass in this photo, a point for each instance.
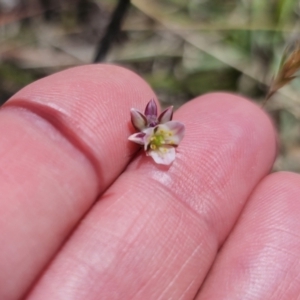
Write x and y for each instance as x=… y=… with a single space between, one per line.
x=183 y=48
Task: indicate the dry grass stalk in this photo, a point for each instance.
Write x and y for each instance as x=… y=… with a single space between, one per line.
x=289 y=66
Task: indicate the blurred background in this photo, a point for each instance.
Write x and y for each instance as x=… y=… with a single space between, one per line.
x=182 y=48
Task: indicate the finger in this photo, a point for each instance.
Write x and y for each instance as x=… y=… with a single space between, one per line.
x=63 y=141
x=261 y=258
x=156 y=231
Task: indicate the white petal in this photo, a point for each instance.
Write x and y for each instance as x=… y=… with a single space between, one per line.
x=138 y=120
x=148 y=135
x=173 y=132
x=164 y=155
x=138 y=138
x=166 y=115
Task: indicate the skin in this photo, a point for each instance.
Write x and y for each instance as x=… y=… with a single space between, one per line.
x=86 y=215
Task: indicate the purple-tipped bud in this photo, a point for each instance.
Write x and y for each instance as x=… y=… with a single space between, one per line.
x=138 y=120
x=138 y=138
x=166 y=115
x=151 y=108
x=152 y=121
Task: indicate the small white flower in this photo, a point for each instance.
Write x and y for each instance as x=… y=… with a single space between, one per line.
x=158 y=135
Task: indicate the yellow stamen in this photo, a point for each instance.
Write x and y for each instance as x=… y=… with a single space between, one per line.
x=158 y=139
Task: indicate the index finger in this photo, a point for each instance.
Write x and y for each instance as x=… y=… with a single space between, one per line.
x=63 y=140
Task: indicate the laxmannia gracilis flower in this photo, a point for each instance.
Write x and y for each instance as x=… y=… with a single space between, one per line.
x=159 y=135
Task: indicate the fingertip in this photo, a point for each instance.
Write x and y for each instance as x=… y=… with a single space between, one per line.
x=90 y=105
x=54 y=134
x=234 y=120
x=264 y=246
x=281 y=190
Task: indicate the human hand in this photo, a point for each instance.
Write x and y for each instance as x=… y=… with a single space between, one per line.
x=214 y=223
